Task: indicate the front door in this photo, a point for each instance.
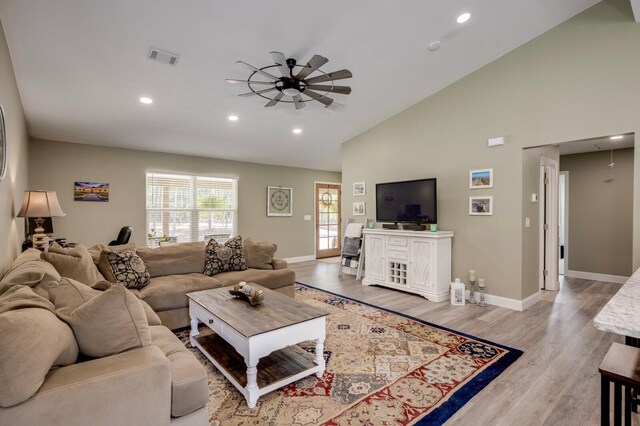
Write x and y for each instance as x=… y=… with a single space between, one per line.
x=328 y=220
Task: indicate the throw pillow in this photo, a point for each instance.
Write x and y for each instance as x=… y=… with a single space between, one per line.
x=76 y=264
x=97 y=249
x=109 y=323
x=32 y=341
x=224 y=258
x=259 y=254
x=124 y=267
x=69 y=295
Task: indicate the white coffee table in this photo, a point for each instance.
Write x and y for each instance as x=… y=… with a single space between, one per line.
x=255 y=347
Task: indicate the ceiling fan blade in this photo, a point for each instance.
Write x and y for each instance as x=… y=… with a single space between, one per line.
x=281 y=61
x=258 y=70
x=318 y=97
x=343 y=90
x=298 y=102
x=275 y=100
x=336 y=75
x=259 y=92
x=233 y=81
x=314 y=63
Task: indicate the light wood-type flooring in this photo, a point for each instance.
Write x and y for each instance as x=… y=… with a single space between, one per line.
x=555 y=382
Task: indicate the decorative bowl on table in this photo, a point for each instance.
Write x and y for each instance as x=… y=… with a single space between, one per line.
x=246 y=292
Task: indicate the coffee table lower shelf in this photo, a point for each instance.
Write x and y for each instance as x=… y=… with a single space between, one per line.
x=275 y=370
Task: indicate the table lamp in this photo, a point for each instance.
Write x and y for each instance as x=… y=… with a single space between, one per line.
x=40 y=204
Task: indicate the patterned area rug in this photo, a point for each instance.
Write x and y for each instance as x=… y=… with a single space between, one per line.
x=383 y=368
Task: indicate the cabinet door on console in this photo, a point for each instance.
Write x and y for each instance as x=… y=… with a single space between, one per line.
x=422 y=270
x=375 y=257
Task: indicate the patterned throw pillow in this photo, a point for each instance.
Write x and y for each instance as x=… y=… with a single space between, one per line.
x=124 y=267
x=224 y=258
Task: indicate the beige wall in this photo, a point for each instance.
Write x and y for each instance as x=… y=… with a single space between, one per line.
x=56 y=165
x=600 y=211
x=15 y=180
x=574 y=82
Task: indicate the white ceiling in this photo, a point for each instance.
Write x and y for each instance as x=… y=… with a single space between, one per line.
x=81 y=67
x=597 y=144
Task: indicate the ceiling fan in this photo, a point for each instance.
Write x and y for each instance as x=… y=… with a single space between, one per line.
x=295 y=81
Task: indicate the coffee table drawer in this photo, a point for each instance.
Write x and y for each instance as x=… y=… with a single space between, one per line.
x=212 y=321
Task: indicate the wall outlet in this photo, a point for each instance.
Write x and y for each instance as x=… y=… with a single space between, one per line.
x=307 y=217
x=534 y=198
x=527 y=222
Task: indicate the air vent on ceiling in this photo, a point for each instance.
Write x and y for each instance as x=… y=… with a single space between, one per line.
x=162 y=56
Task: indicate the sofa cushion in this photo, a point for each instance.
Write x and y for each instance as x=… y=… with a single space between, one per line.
x=32 y=340
x=32 y=271
x=124 y=267
x=169 y=291
x=71 y=294
x=269 y=279
x=224 y=258
x=258 y=254
x=76 y=264
x=174 y=259
x=189 y=381
x=109 y=323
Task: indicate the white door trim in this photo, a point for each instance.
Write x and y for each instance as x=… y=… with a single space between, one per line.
x=550 y=248
x=566 y=220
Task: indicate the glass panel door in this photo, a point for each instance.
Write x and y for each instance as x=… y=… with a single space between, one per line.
x=328 y=242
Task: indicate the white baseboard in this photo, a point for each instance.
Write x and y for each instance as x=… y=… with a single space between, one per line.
x=618 y=279
x=505 y=302
x=300 y=258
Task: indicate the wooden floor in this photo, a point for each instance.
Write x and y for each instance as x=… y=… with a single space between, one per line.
x=555 y=382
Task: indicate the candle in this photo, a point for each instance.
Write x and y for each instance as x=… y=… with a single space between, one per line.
x=481 y=283
x=472 y=275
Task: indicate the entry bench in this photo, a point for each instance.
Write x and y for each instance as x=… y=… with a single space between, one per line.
x=621 y=366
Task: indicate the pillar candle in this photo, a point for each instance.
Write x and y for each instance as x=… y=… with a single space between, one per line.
x=472 y=275
x=481 y=283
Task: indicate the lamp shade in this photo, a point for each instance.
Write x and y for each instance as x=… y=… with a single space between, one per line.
x=40 y=204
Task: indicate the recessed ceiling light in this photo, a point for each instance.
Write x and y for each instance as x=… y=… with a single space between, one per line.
x=146 y=100
x=463 y=18
x=615 y=138
x=233 y=118
x=297 y=131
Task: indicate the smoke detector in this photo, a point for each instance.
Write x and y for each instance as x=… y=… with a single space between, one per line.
x=163 y=56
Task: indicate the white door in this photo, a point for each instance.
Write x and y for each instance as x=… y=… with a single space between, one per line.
x=549 y=224
x=421 y=268
x=374 y=258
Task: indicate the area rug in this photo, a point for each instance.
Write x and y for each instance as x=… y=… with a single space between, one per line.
x=383 y=368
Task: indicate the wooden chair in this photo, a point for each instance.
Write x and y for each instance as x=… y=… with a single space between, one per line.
x=621 y=366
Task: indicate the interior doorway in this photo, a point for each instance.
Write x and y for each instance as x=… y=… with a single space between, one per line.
x=328 y=219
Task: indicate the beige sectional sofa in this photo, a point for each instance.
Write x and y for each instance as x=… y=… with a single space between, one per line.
x=159 y=384
x=176 y=270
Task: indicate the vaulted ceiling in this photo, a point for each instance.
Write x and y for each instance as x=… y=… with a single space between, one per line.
x=82 y=66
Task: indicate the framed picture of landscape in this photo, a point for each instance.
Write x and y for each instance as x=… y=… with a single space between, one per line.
x=482 y=178
x=481 y=206
x=91 y=191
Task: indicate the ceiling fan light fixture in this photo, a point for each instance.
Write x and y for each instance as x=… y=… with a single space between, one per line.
x=291 y=91
x=463 y=17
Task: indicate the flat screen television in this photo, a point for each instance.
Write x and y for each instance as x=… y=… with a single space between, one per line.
x=413 y=201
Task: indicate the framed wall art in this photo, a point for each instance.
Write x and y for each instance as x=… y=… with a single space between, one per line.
x=481 y=206
x=279 y=201
x=359 y=188
x=482 y=178
x=91 y=191
x=3 y=146
x=359 y=209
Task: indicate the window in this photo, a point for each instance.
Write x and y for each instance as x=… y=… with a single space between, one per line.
x=185 y=208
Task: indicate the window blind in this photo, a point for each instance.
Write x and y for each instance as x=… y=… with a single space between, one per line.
x=185 y=208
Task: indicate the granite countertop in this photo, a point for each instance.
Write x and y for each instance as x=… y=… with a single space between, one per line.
x=622 y=314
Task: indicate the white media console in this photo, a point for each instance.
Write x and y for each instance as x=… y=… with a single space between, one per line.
x=414 y=261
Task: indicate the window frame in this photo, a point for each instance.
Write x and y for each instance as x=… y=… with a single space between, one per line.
x=194 y=211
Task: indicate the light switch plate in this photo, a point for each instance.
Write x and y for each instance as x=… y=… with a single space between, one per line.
x=527 y=222
x=534 y=198
x=307 y=217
